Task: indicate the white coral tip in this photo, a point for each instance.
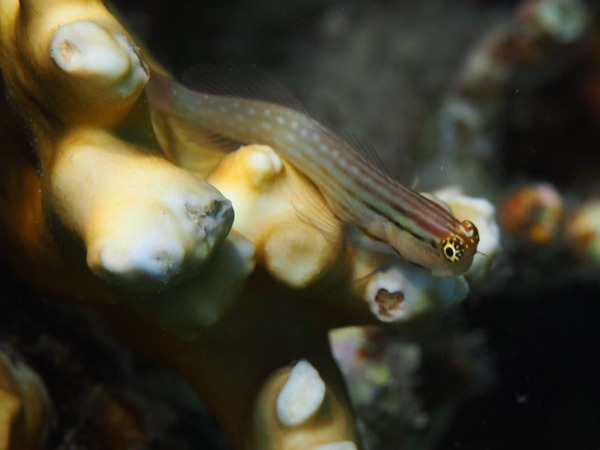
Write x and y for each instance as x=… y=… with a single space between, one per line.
x=86 y=49
x=150 y=256
x=302 y=395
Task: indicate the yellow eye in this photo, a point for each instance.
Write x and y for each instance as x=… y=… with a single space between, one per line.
x=452 y=248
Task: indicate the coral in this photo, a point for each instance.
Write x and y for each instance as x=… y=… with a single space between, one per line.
x=25 y=411
x=166 y=222
x=583 y=231
x=118 y=218
x=266 y=190
x=387 y=370
x=383 y=380
x=533 y=213
x=468 y=125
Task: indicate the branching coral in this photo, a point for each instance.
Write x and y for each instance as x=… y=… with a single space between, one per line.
x=24 y=405
x=166 y=222
x=117 y=220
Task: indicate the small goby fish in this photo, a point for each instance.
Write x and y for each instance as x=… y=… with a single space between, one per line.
x=357 y=191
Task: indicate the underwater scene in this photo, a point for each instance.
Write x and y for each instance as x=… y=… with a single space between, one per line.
x=299 y=224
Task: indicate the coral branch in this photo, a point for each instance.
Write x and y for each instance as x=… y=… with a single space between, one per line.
x=24 y=406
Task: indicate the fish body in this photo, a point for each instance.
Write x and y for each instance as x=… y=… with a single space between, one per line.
x=356 y=190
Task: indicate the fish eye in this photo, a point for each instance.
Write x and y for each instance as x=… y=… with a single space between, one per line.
x=452 y=248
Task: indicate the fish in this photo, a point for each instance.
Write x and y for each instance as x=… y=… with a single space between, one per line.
x=358 y=190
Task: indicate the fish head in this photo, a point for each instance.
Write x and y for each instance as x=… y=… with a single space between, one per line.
x=449 y=255
x=457 y=249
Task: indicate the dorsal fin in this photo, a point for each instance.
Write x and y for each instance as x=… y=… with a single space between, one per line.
x=364 y=150
x=240 y=80
x=407 y=172
x=251 y=82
